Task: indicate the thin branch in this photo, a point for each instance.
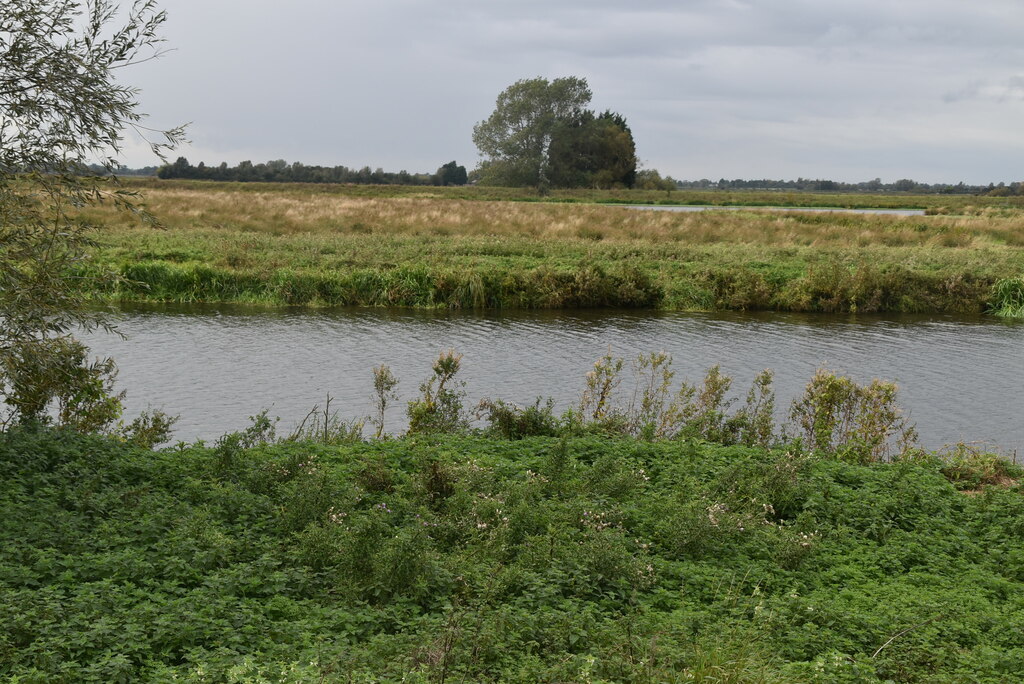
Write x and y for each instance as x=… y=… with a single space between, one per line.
x=897 y=635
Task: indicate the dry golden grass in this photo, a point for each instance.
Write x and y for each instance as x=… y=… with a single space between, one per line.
x=294 y=212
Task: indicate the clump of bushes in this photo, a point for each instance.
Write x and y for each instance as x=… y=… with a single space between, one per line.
x=973 y=467
x=858 y=422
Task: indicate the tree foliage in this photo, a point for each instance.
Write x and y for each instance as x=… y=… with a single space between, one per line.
x=280 y=171
x=542 y=134
x=451 y=174
x=61 y=109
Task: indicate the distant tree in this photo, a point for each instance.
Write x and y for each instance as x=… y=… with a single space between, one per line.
x=451 y=174
x=516 y=138
x=904 y=185
x=594 y=151
x=650 y=179
x=615 y=163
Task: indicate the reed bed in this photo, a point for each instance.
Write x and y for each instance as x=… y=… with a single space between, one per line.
x=314 y=246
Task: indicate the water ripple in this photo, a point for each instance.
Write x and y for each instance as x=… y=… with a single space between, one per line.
x=215 y=366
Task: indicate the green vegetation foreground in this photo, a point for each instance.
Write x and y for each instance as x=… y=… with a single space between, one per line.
x=482 y=559
x=458 y=248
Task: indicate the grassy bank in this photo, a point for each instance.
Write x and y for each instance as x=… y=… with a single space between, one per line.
x=481 y=559
x=458 y=248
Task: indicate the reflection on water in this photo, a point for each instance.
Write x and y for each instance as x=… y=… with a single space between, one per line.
x=960 y=378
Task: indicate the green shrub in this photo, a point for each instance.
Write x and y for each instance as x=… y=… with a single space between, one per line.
x=149 y=429
x=439 y=407
x=970 y=466
x=862 y=423
x=325 y=426
x=509 y=421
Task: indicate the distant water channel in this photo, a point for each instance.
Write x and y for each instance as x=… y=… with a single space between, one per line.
x=960 y=378
x=818 y=210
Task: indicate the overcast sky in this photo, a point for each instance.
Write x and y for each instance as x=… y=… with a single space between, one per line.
x=841 y=89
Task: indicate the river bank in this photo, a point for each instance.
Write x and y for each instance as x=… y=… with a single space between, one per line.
x=545 y=559
x=313 y=247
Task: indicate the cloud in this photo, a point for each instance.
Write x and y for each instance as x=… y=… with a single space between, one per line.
x=399 y=83
x=1009 y=90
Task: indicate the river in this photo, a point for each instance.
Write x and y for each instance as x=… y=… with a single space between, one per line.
x=960 y=378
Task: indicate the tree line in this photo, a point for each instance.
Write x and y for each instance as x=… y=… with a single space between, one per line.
x=455 y=174
x=280 y=171
x=874 y=185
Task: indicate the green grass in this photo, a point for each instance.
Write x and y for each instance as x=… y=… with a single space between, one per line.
x=475 y=559
x=479 y=272
x=1008 y=298
x=460 y=248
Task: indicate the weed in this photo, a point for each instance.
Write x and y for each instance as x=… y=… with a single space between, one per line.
x=384 y=384
x=754 y=424
x=595 y=404
x=439 y=407
x=1007 y=298
x=327 y=427
x=972 y=467
x=862 y=423
x=651 y=395
x=509 y=421
x=376 y=477
x=149 y=429
x=468 y=558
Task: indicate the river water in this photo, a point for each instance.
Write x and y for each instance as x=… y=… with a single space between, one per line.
x=960 y=378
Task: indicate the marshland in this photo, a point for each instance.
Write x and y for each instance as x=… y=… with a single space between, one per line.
x=461 y=248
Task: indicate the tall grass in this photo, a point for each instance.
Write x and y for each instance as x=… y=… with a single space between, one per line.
x=313 y=246
x=1008 y=298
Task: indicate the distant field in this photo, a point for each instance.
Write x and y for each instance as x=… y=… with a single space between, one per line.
x=489 y=247
x=941 y=203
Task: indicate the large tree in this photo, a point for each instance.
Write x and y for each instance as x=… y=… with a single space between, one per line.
x=596 y=151
x=62 y=109
x=515 y=139
x=541 y=133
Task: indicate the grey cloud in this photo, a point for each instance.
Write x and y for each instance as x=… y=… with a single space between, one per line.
x=709 y=86
x=1008 y=90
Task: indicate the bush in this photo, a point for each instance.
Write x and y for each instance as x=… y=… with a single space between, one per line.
x=970 y=466
x=439 y=407
x=39 y=374
x=861 y=423
x=509 y=421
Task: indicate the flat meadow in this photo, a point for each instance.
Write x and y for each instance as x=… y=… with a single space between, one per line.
x=470 y=247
